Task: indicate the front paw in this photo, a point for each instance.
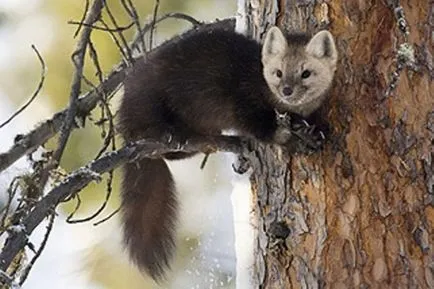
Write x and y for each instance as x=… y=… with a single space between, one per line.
x=309 y=137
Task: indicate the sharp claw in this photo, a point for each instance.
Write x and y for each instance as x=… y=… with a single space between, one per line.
x=322 y=135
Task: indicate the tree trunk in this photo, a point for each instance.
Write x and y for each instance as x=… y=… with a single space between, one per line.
x=359 y=214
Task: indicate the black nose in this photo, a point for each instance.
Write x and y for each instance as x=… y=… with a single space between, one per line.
x=287 y=90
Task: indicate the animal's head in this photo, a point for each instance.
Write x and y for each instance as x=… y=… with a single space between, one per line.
x=299 y=73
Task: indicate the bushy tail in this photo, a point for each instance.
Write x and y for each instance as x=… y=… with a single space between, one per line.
x=149 y=213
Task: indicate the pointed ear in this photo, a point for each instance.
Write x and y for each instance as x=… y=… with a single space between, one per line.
x=322 y=45
x=274 y=44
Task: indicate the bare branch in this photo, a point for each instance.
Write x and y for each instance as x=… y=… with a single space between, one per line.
x=35 y=94
x=80 y=178
x=78 y=60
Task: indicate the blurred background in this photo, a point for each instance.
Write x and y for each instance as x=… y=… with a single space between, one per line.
x=87 y=256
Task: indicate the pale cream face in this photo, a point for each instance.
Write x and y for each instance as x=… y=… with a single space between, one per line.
x=299 y=77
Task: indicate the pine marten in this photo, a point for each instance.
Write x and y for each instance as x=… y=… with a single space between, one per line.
x=205 y=81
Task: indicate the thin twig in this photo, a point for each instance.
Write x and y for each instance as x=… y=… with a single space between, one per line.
x=110 y=138
x=35 y=94
x=94 y=56
x=41 y=248
x=182 y=16
x=105 y=108
x=132 y=11
x=77 y=207
x=154 y=18
x=204 y=161
x=186 y=17
x=117 y=43
x=106 y=113
x=101 y=208
x=83 y=16
x=96 y=27
x=108 y=217
x=129 y=57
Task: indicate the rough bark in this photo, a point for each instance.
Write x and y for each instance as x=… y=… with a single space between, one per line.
x=360 y=214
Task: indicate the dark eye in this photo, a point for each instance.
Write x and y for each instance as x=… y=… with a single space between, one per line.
x=305 y=74
x=279 y=73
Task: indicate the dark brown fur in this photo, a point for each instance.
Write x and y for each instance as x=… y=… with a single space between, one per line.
x=198 y=84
